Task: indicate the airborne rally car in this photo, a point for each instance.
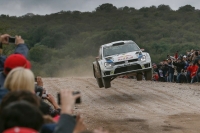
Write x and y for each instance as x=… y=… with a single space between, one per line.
x=121 y=58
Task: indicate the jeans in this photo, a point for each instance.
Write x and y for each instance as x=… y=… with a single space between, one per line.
x=194 y=79
x=170 y=77
x=178 y=80
x=197 y=75
x=188 y=77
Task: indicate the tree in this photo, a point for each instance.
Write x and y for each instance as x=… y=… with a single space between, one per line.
x=164 y=8
x=106 y=7
x=186 y=8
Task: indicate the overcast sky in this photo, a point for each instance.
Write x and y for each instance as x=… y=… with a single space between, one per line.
x=42 y=7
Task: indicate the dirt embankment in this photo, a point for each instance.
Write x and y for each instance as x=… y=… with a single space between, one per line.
x=130 y=106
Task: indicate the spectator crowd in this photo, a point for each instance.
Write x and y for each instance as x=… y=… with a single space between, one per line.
x=22 y=105
x=178 y=68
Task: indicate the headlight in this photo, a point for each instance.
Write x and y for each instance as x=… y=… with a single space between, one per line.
x=108 y=64
x=143 y=58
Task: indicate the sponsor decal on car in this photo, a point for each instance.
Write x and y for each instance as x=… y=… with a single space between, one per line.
x=125 y=57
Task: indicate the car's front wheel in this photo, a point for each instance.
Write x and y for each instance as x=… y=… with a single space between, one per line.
x=99 y=82
x=139 y=76
x=106 y=82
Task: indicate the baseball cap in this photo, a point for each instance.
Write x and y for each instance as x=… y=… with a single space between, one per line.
x=20 y=130
x=16 y=60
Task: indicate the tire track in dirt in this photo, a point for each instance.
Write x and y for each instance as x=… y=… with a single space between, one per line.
x=166 y=96
x=132 y=101
x=131 y=106
x=116 y=112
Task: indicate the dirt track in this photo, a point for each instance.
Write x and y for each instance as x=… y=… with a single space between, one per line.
x=135 y=107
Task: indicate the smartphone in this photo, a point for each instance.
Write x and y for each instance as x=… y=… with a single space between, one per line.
x=78 y=100
x=11 y=40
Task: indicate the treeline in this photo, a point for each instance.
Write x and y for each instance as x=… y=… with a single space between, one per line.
x=65 y=40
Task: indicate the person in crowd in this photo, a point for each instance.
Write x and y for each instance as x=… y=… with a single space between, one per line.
x=170 y=70
x=195 y=55
x=13 y=61
x=165 y=69
x=179 y=67
x=21 y=48
x=159 y=70
x=49 y=123
x=18 y=96
x=188 y=75
x=23 y=79
x=192 y=69
x=67 y=123
x=197 y=61
x=21 y=117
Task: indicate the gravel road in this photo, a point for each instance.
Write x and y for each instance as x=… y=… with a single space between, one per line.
x=131 y=106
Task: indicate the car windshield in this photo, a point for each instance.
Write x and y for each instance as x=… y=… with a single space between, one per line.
x=119 y=49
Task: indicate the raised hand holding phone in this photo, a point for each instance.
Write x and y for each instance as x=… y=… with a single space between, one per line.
x=18 y=40
x=4 y=39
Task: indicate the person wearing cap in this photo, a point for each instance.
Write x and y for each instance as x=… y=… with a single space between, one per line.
x=13 y=61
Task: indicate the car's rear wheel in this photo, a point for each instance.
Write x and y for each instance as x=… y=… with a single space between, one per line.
x=99 y=82
x=139 y=76
x=148 y=75
x=106 y=82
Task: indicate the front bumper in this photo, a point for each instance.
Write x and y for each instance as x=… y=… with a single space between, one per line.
x=126 y=69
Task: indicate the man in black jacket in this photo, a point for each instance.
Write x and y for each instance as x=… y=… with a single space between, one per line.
x=170 y=71
x=180 y=64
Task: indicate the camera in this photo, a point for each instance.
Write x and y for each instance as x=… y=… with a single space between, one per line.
x=78 y=100
x=11 y=40
x=44 y=95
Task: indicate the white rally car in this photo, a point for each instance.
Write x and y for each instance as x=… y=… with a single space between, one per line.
x=121 y=58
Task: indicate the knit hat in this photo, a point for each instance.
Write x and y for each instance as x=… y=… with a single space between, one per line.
x=16 y=60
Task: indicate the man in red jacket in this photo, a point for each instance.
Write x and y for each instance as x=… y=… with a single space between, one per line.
x=193 y=69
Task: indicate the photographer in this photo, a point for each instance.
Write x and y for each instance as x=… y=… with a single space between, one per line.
x=21 y=47
x=67 y=123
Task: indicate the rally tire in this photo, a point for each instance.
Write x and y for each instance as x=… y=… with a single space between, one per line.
x=106 y=82
x=99 y=82
x=139 y=77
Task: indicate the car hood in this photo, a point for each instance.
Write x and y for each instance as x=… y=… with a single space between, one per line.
x=124 y=56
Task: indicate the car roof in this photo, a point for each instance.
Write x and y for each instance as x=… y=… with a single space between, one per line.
x=110 y=44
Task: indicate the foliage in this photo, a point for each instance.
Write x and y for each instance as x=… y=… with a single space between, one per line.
x=70 y=39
